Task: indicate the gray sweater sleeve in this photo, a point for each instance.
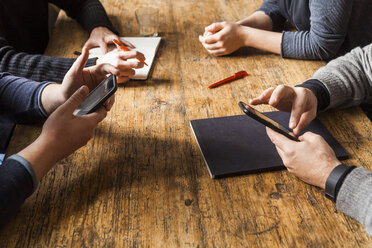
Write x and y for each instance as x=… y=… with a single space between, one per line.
x=355 y=197
x=329 y=23
x=348 y=78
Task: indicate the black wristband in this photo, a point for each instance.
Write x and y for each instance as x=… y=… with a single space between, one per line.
x=335 y=180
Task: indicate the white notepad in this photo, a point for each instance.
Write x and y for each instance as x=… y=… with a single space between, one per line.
x=146 y=45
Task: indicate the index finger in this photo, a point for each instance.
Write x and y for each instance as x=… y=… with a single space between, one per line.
x=211 y=39
x=127 y=43
x=131 y=55
x=263 y=98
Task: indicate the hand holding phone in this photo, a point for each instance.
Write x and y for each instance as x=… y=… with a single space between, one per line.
x=98 y=96
x=260 y=117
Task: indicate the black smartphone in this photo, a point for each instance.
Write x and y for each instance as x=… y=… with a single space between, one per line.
x=260 y=117
x=98 y=96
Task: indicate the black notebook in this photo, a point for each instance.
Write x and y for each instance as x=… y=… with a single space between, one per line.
x=237 y=145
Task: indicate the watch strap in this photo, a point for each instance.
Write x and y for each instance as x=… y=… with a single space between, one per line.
x=335 y=180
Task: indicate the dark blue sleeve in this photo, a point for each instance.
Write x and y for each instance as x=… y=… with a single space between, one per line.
x=16 y=184
x=271 y=9
x=20 y=100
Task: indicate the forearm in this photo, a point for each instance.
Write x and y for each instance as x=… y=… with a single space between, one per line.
x=258 y=20
x=262 y=39
x=41 y=155
x=51 y=98
x=355 y=197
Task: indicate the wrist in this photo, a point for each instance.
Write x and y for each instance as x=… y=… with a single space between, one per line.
x=98 y=29
x=244 y=36
x=319 y=91
x=40 y=156
x=52 y=97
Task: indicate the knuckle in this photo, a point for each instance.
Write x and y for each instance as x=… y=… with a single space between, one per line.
x=301 y=91
x=290 y=152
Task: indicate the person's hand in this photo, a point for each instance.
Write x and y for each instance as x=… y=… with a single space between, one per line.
x=54 y=95
x=62 y=134
x=311 y=159
x=102 y=37
x=223 y=38
x=118 y=58
x=301 y=102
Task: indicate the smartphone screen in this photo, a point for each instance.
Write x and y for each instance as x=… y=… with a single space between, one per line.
x=98 y=96
x=260 y=117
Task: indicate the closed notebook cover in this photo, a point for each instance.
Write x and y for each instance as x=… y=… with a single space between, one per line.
x=146 y=45
x=238 y=145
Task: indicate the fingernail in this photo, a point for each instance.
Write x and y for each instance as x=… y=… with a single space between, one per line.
x=82 y=90
x=292 y=124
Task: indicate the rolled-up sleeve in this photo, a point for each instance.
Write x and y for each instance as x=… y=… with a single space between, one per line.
x=326 y=35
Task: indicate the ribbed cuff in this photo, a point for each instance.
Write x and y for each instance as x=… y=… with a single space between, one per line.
x=286 y=48
x=28 y=167
x=320 y=91
x=40 y=105
x=332 y=83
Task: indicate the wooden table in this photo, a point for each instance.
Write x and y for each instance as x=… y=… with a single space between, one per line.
x=142 y=182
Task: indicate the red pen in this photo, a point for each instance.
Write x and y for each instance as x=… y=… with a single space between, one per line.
x=237 y=75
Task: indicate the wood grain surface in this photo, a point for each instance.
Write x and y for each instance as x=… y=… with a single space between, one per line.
x=142 y=182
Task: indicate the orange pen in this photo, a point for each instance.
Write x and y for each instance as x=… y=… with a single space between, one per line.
x=237 y=75
x=127 y=50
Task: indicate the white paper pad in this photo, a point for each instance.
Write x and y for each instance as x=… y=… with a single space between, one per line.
x=146 y=45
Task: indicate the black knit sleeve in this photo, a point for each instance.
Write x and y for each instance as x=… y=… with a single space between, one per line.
x=34 y=66
x=89 y=13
